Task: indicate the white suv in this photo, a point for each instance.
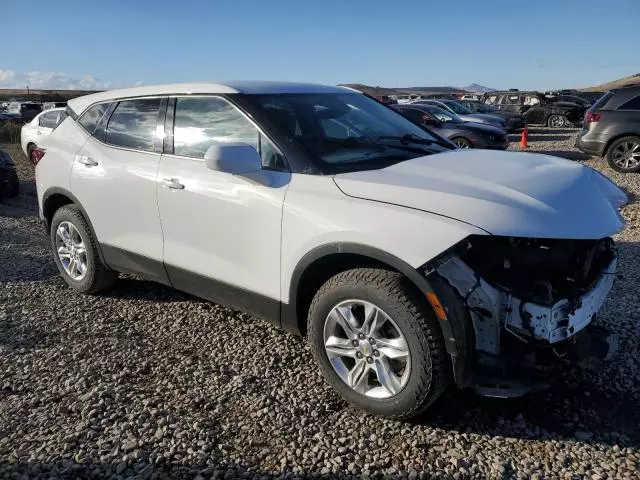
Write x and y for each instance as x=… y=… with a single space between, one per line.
x=407 y=264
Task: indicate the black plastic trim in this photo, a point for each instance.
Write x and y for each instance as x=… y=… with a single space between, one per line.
x=225 y=294
x=127 y=262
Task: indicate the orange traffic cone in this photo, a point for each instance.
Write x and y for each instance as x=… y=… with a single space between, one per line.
x=525 y=136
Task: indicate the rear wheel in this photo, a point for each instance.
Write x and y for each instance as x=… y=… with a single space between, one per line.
x=76 y=252
x=624 y=155
x=462 y=142
x=9 y=184
x=378 y=343
x=556 y=121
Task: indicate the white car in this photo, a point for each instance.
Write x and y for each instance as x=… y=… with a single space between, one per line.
x=32 y=133
x=408 y=265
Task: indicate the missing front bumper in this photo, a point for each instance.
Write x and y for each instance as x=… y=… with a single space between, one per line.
x=513 y=339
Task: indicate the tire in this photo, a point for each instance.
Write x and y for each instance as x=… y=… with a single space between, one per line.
x=9 y=184
x=462 y=142
x=97 y=277
x=557 y=121
x=623 y=155
x=429 y=367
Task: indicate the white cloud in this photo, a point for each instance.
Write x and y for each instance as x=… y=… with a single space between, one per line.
x=50 y=80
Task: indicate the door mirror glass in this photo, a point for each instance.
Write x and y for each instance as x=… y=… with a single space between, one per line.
x=426 y=120
x=234 y=158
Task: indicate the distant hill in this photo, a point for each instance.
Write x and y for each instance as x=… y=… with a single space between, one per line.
x=430 y=89
x=621 y=82
x=474 y=87
x=369 y=90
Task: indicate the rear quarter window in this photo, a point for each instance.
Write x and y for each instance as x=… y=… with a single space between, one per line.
x=91 y=117
x=633 y=104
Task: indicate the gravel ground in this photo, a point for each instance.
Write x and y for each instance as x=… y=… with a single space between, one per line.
x=145 y=382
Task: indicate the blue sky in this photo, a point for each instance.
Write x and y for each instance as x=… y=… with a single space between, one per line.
x=501 y=44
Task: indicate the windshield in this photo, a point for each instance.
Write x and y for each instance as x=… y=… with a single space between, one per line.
x=348 y=131
x=456 y=107
x=443 y=115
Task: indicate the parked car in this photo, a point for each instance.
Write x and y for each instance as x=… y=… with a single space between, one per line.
x=612 y=129
x=514 y=122
x=570 y=99
x=406 y=98
x=9 y=182
x=50 y=105
x=537 y=108
x=409 y=265
x=38 y=129
x=449 y=125
x=470 y=96
x=26 y=110
x=464 y=113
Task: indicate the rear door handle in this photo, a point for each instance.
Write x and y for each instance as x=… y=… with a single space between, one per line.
x=172 y=183
x=87 y=161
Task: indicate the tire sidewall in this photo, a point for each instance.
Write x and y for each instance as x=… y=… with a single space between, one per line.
x=611 y=149
x=420 y=357
x=467 y=142
x=550 y=121
x=71 y=215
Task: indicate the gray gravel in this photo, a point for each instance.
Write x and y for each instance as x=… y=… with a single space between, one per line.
x=145 y=382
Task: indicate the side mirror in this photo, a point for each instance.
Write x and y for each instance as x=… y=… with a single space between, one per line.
x=234 y=158
x=429 y=121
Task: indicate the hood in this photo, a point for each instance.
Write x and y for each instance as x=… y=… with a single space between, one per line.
x=503 y=193
x=486 y=128
x=482 y=118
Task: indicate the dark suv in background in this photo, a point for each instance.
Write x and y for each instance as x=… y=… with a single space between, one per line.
x=612 y=129
x=512 y=120
x=537 y=108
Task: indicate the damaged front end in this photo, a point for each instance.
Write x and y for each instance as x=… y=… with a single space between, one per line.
x=518 y=304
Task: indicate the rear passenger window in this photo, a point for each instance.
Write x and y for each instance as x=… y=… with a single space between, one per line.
x=133 y=124
x=91 y=117
x=633 y=104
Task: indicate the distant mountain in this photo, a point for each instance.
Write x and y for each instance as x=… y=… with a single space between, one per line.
x=474 y=87
x=429 y=89
x=621 y=82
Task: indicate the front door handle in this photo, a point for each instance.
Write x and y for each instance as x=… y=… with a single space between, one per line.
x=172 y=183
x=87 y=161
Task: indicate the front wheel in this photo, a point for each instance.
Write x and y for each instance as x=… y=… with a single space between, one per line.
x=462 y=142
x=624 y=155
x=378 y=343
x=556 y=121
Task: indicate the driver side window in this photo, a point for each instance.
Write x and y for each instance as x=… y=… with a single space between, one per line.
x=199 y=122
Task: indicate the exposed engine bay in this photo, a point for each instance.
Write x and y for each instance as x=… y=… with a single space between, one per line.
x=531 y=293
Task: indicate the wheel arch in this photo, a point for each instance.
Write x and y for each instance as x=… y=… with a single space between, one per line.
x=616 y=137
x=54 y=199
x=323 y=262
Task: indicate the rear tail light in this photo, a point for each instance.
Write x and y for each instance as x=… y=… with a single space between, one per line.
x=591 y=117
x=37 y=154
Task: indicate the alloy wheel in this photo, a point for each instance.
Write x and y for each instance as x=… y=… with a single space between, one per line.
x=71 y=250
x=557 y=121
x=367 y=349
x=461 y=144
x=627 y=155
